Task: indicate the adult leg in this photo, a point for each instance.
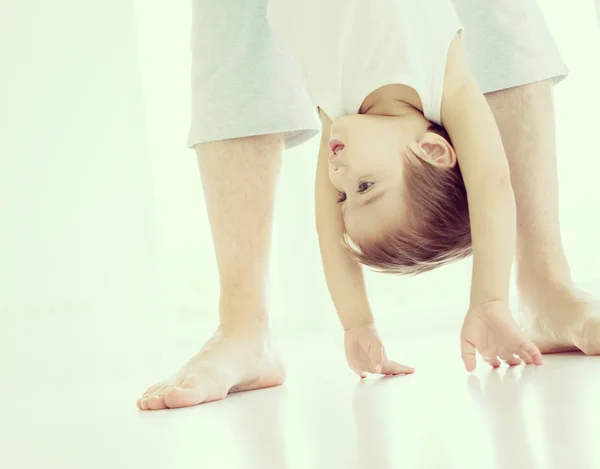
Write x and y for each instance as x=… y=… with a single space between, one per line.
x=239 y=178
x=559 y=316
x=247 y=102
x=510 y=48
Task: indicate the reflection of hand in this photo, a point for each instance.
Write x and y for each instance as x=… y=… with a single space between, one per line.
x=365 y=353
x=491 y=330
x=501 y=404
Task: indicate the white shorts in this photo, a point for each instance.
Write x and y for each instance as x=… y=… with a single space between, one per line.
x=244 y=81
x=508 y=43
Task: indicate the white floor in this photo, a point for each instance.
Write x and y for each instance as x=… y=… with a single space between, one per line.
x=60 y=411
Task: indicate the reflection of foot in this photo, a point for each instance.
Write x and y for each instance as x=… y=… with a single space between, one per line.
x=560 y=318
x=228 y=362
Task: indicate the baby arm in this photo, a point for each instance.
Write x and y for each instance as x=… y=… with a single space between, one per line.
x=476 y=139
x=344 y=276
x=489 y=326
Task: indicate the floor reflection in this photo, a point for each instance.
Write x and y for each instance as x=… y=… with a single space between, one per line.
x=261 y=429
x=502 y=407
x=373 y=435
x=523 y=417
x=541 y=417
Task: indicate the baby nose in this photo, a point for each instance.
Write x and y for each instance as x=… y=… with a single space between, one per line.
x=338 y=165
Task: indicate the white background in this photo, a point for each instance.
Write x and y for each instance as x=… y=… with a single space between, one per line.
x=103 y=224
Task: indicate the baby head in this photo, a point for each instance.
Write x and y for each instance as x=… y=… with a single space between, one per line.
x=402 y=195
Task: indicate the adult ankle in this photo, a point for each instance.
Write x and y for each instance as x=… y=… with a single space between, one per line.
x=539 y=267
x=242 y=314
x=531 y=276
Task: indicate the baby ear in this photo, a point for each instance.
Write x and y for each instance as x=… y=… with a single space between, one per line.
x=436 y=150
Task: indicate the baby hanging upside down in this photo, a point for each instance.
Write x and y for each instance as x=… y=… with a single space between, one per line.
x=412 y=172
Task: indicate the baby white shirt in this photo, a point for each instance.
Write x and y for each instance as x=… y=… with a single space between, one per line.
x=346 y=49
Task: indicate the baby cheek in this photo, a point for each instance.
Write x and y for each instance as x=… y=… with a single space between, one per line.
x=353 y=224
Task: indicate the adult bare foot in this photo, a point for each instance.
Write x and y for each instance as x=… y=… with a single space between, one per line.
x=560 y=317
x=229 y=362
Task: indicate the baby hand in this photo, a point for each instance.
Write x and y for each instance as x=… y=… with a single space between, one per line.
x=491 y=330
x=365 y=353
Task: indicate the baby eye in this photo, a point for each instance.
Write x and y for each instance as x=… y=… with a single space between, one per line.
x=364 y=186
x=341 y=197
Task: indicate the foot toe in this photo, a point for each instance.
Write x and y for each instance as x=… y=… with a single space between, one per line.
x=184 y=397
x=151 y=390
x=156 y=402
x=142 y=402
x=161 y=390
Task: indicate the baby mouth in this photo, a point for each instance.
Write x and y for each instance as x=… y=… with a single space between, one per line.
x=335 y=146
